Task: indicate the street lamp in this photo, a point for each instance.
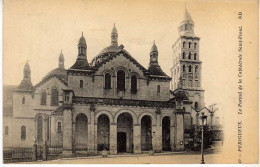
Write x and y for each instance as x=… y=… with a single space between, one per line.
x=212 y=110
x=203 y=122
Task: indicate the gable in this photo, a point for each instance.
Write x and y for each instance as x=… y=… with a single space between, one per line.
x=123 y=61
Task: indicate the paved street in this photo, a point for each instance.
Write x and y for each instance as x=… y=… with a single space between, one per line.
x=165 y=158
x=176 y=158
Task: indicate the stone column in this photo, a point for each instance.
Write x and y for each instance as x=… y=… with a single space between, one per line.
x=113 y=139
x=137 y=138
x=91 y=135
x=67 y=132
x=172 y=133
x=157 y=141
x=44 y=128
x=95 y=138
x=179 y=144
x=36 y=129
x=73 y=136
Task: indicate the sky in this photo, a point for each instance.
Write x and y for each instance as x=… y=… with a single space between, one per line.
x=37 y=31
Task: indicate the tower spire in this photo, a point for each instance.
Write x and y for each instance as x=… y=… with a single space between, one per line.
x=114 y=36
x=82 y=48
x=186 y=27
x=61 y=60
x=26 y=83
x=154 y=55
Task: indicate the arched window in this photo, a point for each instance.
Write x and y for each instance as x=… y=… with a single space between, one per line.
x=195 y=56
x=196 y=68
x=190 y=68
x=183 y=44
x=183 y=55
x=183 y=68
x=195 y=45
x=120 y=80
x=189 y=56
x=6 y=130
x=81 y=83
x=54 y=97
x=158 y=90
x=133 y=84
x=23 y=133
x=59 y=127
x=43 y=98
x=189 y=44
x=107 y=81
x=196 y=105
x=23 y=100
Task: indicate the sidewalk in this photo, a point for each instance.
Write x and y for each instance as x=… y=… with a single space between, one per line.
x=130 y=155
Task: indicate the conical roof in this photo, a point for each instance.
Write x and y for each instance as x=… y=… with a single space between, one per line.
x=82 y=40
x=114 y=30
x=154 y=48
x=187 y=17
x=26 y=83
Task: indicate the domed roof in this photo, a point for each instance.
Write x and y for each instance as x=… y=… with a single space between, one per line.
x=110 y=49
x=58 y=72
x=102 y=55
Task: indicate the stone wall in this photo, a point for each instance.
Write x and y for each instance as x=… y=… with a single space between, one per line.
x=94 y=86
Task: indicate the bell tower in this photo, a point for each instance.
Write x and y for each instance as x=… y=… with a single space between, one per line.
x=186 y=69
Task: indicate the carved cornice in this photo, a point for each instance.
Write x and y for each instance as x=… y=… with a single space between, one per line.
x=123 y=102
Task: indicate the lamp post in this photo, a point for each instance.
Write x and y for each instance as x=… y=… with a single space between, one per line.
x=203 y=120
x=197 y=123
x=212 y=110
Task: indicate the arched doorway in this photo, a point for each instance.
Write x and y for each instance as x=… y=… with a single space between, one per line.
x=124 y=133
x=103 y=133
x=146 y=133
x=81 y=134
x=166 y=124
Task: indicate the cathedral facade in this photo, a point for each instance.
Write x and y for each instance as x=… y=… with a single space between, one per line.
x=111 y=102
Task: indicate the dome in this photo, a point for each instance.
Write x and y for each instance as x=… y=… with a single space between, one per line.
x=58 y=72
x=110 y=49
x=102 y=55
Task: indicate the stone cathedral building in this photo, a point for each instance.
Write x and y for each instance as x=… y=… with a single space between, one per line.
x=110 y=102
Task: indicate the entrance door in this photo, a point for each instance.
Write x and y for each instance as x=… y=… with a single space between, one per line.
x=121 y=141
